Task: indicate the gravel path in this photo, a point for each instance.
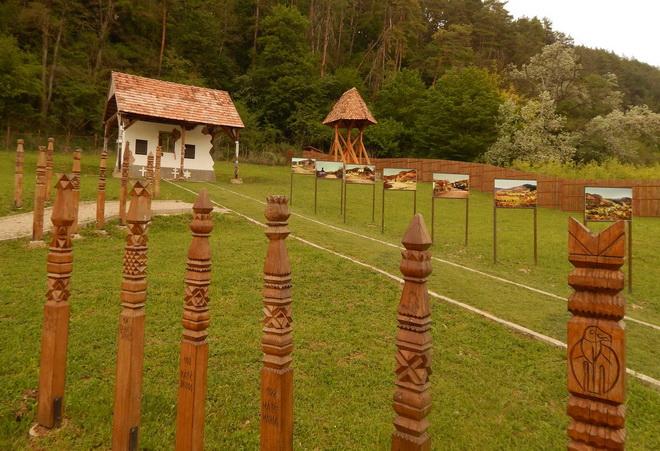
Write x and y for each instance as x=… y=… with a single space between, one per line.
x=20 y=225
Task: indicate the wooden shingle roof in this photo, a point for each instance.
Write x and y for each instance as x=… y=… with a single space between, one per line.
x=173 y=101
x=350 y=107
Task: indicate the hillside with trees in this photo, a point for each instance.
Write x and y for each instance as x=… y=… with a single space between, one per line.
x=458 y=79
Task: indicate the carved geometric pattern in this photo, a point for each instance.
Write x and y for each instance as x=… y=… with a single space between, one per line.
x=196 y=296
x=412 y=367
x=277 y=317
x=58 y=289
x=135 y=262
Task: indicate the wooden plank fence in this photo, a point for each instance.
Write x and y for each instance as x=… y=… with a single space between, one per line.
x=553 y=192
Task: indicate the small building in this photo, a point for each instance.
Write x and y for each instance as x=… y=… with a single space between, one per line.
x=181 y=119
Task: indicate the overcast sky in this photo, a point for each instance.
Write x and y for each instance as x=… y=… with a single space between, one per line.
x=629 y=28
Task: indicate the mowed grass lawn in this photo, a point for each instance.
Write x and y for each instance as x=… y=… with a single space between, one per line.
x=492 y=388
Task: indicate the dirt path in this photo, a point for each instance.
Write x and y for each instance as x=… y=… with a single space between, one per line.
x=19 y=226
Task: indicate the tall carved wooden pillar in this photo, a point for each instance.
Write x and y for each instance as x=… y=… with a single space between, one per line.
x=55 y=332
x=159 y=154
x=18 y=175
x=76 y=189
x=123 y=190
x=150 y=170
x=412 y=397
x=49 y=165
x=39 y=197
x=194 y=347
x=100 y=195
x=277 y=339
x=130 y=352
x=596 y=338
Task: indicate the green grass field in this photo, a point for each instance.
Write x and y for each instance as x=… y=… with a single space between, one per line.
x=492 y=388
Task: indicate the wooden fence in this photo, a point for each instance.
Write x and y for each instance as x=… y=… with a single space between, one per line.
x=553 y=192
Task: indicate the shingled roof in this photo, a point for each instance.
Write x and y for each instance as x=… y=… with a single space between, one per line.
x=173 y=101
x=350 y=107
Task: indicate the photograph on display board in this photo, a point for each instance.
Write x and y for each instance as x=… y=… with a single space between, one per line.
x=515 y=193
x=330 y=169
x=451 y=186
x=400 y=179
x=304 y=166
x=607 y=204
x=360 y=173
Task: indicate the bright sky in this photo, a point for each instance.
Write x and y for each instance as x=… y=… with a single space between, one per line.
x=628 y=28
x=512 y=183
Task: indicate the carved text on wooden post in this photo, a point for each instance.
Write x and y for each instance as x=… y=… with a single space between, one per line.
x=100 y=195
x=49 y=165
x=194 y=347
x=596 y=338
x=55 y=332
x=76 y=189
x=39 y=197
x=159 y=154
x=18 y=175
x=277 y=338
x=123 y=189
x=130 y=352
x=412 y=397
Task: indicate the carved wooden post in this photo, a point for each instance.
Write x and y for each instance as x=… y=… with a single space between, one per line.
x=76 y=189
x=150 y=169
x=277 y=339
x=49 y=165
x=194 y=347
x=18 y=175
x=39 y=197
x=412 y=397
x=123 y=190
x=100 y=195
x=130 y=352
x=596 y=338
x=159 y=154
x=54 y=336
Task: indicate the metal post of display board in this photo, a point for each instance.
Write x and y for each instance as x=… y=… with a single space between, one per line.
x=316 y=184
x=291 y=189
x=415 y=201
x=373 y=202
x=345 y=203
x=341 y=196
x=630 y=226
x=535 y=245
x=494 y=232
x=467 y=215
x=382 y=211
x=432 y=218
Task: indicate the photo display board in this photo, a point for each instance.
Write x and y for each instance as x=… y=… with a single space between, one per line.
x=451 y=186
x=607 y=204
x=400 y=179
x=303 y=166
x=360 y=173
x=511 y=193
x=330 y=170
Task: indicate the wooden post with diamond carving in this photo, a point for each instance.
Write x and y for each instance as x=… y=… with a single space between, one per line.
x=76 y=189
x=277 y=338
x=55 y=332
x=159 y=154
x=130 y=351
x=49 y=165
x=596 y=338
x=18 y=175
x=100 y=195
x=150 y=169
x=193 y=359
x=123 y=190
x=412 y=397
x=39 y=197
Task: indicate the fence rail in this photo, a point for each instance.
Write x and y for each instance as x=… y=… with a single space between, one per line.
x=553 y=192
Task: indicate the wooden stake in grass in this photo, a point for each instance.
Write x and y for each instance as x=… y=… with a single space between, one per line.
x=76 y=189
x=596 y=338
x=123 y=190
x=49 y=165
x=159 y=154
x=55 y=332
x=100 y=195
x=130 y=352
x=150 y=169
x=18 y=175
x=39 y=197
x=412 y=398
x=193 y=359
x=277 y=338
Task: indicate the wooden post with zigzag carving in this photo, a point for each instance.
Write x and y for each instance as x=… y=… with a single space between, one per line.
x=39 y=197
x=159 y=154
x=18 y=175
x=150 y=170
x=130 y=352
x=596 y=338
x=55 y=333
x=50 y=150
x=123 y=190
x=76 y=189
x=100 y=195
x=194 y=354
x=412 y=398
x=277 y=338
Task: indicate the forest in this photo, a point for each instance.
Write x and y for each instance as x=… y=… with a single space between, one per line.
x=456 y=79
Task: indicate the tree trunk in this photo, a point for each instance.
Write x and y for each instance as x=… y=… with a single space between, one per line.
x=45 y=31
x=256 y=33
x=326 y=38
x=163 y=35
x=53 y=67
